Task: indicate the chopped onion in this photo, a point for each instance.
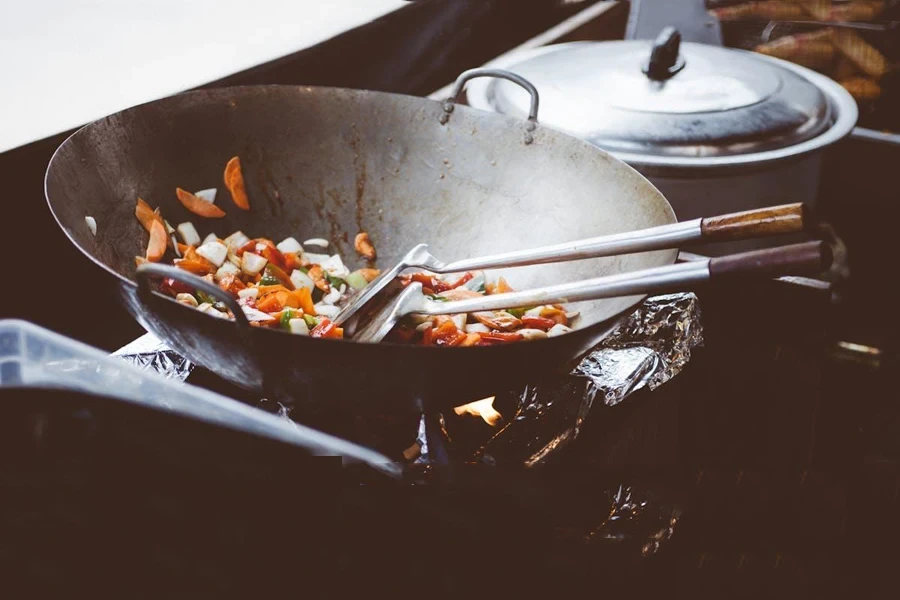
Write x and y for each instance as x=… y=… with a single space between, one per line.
x=531 y=334
x=236 y=240
x=169 y=229
x=187 y=299
x=208 y=195
x=226 y=269
x=250 y=292
x=356 y=280
x=289 y=245
x=302 y=280
x=534 y=312
x=189 y=234
x=298 y=326
x=214 y=252
x=255 y=315
x=459 y=321
x=332 y=297
x=91 y=224
x=424 y=326
x=572 y=315
x=558 y=329
x=477 y=328
x=210 y=238
x=316 y=259
x=251 y=264
x=476 y=282
x=334 y=266
x=327 y=310
x=216 y=313
x=234 y=259
x=321 y=243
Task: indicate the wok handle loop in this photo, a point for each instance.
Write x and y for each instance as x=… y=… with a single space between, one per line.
x=466 y=76
x=148 y=270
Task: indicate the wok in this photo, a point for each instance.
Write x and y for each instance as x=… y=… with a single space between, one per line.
x=329 y=162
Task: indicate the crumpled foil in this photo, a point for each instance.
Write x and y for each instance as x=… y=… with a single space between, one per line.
x=648 y=349
x=636 y=516
x=150 y=353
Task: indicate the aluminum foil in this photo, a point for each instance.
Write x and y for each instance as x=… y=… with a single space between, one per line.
x=647 y=349
x=636 y=517
x=150 y=353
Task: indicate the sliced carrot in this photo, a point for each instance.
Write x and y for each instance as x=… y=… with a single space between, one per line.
x=182 y=248
x=270 y=304
x=157 y=246
x=198 y=206
x=471 y=339
x=234 y=181
x=191 y=254
x=230 y=167
x=195 y=266
x=287 y=299
x=304 y=300
x=146 y=215
x=265 y=290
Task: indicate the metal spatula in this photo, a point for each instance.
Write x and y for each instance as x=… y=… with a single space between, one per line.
x=788 y=218
x=797 y=259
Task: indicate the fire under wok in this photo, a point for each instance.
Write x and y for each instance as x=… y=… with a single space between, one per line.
x=328 y=162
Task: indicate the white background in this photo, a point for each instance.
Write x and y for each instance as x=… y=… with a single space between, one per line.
x=64 y=63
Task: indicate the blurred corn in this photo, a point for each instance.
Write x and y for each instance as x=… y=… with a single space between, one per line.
x=793 y=48
x=861 y=88
x=819 y=10
x=843 y=69
x=865 y=57
x=854 y=11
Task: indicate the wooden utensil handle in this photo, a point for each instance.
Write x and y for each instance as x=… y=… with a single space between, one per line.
x=772 y=220
x=797 y=259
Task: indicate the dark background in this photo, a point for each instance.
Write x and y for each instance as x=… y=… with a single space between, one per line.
x=798 y=449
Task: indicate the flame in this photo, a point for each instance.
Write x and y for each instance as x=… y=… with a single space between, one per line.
x=481 y=408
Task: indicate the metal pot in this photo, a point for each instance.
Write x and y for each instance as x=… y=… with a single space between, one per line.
x=714 y=129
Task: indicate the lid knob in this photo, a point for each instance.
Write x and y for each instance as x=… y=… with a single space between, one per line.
x=665 y=60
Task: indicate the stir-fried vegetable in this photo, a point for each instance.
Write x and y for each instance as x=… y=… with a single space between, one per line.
x=234 y=181
x=198 y=206
x=282 y=286
x=477 y=329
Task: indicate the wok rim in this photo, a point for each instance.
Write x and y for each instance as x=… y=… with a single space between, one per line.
x=593 y=332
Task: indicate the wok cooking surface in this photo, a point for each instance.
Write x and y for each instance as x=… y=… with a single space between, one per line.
x=328 y=162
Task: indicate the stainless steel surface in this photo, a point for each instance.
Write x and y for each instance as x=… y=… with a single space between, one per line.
x=648 y=281
x=726 y=108
x=534 y=99
x=871 y=135
x=655 y=238
x=329 y=161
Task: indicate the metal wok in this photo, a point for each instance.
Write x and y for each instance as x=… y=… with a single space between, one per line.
x=328 y=162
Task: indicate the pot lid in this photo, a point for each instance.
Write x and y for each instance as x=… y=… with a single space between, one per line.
x=663 y=98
